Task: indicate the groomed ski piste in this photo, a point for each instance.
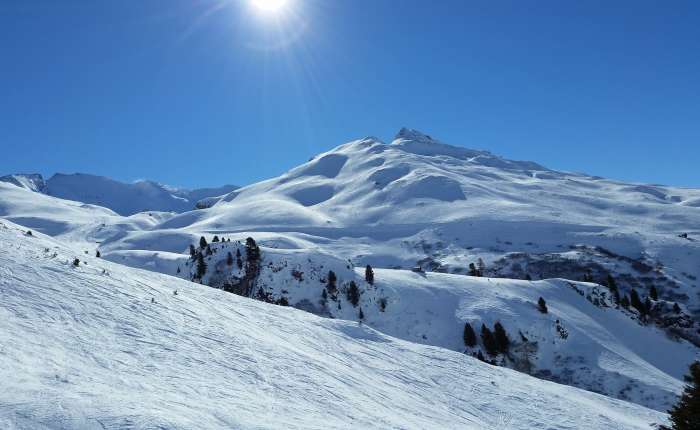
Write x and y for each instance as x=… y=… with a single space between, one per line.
x=93 y=344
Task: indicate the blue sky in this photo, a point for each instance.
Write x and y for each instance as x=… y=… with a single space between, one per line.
x=191 y=94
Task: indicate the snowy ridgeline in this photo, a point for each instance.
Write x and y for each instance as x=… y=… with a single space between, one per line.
x=584 y=339
x=124 y=199
x=91 y=344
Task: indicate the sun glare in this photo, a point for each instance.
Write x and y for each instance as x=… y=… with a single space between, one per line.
x=269 y=6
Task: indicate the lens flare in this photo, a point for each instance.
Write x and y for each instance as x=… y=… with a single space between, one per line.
x=270 y=6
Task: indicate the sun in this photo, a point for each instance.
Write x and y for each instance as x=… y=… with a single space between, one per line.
x=269 y=6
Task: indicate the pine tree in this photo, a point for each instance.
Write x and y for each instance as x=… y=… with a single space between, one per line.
x=216 y=239
x=202 y=242
x=229 y=259
x=369 y=275
x=209 y=251
x=76 y=262
x=653 y=293
x=647 y=306
x=201 y=266
x=98 y=254
x=481 y=267
x=616 y=297
x=611 y=283
x=252 y=250
x=636 y=302
x=676 y=308
x=542 y=306
x=488 y=340
x=239 y=260
x=480 y=356
x=686 y=414
x=502 y=341
x=361 y=315
x=332 y=279
x=469 y=336
x=472 y=270
x=625 y=302
x=192 y=251
x=353 y=294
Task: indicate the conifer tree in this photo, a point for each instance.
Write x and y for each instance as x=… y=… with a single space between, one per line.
x=362 y=315
x=488 y=340
x=202 y=242
x=192 y=251
x=332 y=279
x=239 y=260
x=76 y=262
x=215 y=239
x=353 y=294
x=502 y=341
x=229 y=259
x=481 y=267
x=542 y=306
x=676 y=308
x=209 y=251
x=616 y=297
x=201 y=266
x=480 y=356
x=98 y=254
x=625 y=302
x=369 y=275
x=647 y=306
x=653 y=293
x=686 y=414
x=611 y=283
x=469 y=335
x=252 y=250
x=636 y=302
x=472 y=270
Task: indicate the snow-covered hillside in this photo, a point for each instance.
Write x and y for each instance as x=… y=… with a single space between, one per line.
x=451 y=211
x=584 y=340
x=99 y=345
x=419 y=201
x=124 y=199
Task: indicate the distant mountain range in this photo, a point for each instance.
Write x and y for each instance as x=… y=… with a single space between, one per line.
x=123 y=198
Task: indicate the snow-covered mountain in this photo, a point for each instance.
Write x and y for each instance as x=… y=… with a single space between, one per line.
x=90 y=344
x=123 y=198
x=453 y=213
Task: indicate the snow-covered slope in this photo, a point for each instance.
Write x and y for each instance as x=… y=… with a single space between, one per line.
x=128 y=199
x=124 y=199
x=584 y=340
x=100 y=345
x=31 y=182
x=417 y=201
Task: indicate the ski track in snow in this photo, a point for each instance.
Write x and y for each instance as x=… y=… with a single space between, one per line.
x=81 y=349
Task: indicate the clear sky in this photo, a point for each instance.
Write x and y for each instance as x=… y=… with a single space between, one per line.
x=203 y=92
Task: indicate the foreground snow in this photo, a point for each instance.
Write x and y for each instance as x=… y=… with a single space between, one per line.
x=85 y=347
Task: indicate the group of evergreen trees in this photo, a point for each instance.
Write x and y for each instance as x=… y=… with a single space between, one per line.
x=644 y=307
x=477 y=269
x=495 y=342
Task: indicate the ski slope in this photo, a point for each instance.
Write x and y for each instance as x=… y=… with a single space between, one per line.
x=106 y=346
x=584 y=340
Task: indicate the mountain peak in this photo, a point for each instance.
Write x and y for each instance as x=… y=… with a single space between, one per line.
x=414 y=135
x=29 y=181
